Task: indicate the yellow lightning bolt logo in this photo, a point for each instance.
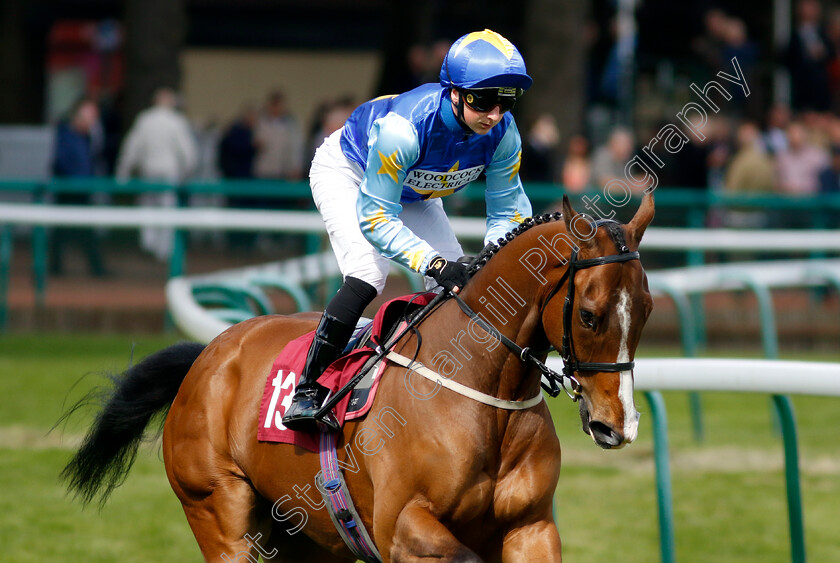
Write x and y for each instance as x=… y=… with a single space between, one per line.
x=496 y=40
x=431 y=194
x=389 y=165
x=445 y=182
x=517 y=218
x=377 y=218
x=414 y=258
x=514 y=170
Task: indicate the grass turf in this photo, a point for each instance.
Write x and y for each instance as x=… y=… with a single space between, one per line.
x=729 y=496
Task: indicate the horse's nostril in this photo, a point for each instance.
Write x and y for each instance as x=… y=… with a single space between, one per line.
x=603 y=435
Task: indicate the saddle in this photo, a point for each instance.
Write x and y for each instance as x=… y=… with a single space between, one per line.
x=359 y=355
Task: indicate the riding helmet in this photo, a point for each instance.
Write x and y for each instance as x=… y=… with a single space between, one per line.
x=484 y=59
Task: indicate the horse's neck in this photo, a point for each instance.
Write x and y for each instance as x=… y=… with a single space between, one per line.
x=507 y=300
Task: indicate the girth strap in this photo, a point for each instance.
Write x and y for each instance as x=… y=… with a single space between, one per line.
x=330 y=482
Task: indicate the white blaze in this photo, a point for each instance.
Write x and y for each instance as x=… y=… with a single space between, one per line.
x=625 y=386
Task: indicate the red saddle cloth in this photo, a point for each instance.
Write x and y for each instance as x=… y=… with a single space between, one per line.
x=285 y=372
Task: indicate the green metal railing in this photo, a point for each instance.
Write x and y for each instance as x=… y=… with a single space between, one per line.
x=683 y=207
x=664 y=497
x=783 y=410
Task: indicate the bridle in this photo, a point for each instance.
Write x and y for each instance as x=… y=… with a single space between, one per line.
x=571 y=364
x=552 y=382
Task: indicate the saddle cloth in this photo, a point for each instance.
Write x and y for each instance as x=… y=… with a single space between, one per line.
x=285 y=372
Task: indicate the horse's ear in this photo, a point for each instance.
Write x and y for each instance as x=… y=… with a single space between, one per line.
x=644 y=215
x=569 y=215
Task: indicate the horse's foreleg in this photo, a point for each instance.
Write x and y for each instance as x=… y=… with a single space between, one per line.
x=539 y=541
x=419 y=536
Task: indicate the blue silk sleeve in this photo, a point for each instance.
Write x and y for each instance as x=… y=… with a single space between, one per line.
x=507 y=203
x=393 y=147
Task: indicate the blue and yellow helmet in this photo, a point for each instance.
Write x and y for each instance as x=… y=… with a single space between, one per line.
x=484 y=59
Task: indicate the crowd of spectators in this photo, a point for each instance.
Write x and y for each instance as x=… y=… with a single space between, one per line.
x=787 y=154
x=792 y=148
x=162 y=147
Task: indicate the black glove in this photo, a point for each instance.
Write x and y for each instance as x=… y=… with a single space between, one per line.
x=450 y=275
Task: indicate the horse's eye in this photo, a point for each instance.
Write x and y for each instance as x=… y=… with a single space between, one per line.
x=587 y=318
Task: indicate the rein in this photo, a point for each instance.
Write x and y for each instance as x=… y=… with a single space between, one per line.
x=552 y=382
x=555 y=382
x=381 y=353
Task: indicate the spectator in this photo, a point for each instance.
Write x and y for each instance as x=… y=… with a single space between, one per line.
x=418 y=65
x=437 y=53
x=611 y=158
x=236 y=161
x=750 y=170
x=833 y=131
x=577 y=170
x=738 y=46
x=798 y=167
x=710 y=44
x=279 y=142
x=775 y=136
x=808 y=56
x=539 y=150
x=817 y=126
x=329 y=117
x=830 y=175
x=159 y=147
x=336 y=116
x=719 y=147
x=207 y=133
x=236 y=149
x=75 y=156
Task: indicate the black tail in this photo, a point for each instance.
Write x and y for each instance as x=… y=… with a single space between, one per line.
x=135 y=397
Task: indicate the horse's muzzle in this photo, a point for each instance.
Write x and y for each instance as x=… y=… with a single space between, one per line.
x=603 y=434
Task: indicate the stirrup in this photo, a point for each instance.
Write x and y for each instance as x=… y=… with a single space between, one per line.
x=305 y=405
x=306 y=422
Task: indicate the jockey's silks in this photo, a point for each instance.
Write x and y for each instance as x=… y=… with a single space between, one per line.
x=411 y=147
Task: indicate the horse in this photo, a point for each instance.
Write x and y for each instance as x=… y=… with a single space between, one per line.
x=434 y=474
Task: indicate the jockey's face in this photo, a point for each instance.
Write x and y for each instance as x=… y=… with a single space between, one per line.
x=480 y=122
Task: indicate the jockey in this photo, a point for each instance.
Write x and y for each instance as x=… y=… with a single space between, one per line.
x=393 y=160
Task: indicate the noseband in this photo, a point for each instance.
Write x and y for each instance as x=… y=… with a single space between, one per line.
x=553 y=382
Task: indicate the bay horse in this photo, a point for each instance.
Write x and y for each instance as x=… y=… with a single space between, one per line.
x=440 y=476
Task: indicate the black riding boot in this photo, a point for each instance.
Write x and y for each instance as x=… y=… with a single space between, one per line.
x=331 y=338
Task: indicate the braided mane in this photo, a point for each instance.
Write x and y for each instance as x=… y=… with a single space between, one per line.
x=613 y=228
x=493 y=247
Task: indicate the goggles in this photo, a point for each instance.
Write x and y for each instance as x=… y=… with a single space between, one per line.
x=485 y=99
